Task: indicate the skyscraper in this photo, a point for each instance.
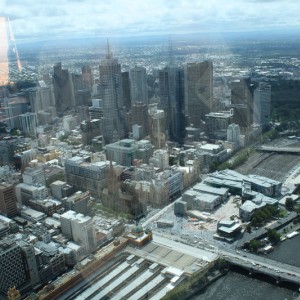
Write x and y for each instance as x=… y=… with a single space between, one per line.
x=138 y=85
x=171 y=88
x=262 y=104
x=113 y=123
x=198 y=83
x=63 y=90
x=242 y=102
x=28 y=123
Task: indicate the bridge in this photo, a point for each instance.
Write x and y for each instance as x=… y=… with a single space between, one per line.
x=257 y=264
x=295 y=150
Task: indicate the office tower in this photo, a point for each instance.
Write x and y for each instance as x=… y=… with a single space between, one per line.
x=233 y=134
x=138 y=85
x=8 y=200
x=157 y=127
x=126 y=90
x=198 y=89
x=63 y=90
x=242 y=102
x=171 y=90
x=28 y=123
x=87 y=77
x=13 y=107
x=89 y=130
x=216 y=124
x=13 y=271
x=113 y=122
x=139 y=116
x=262 y=104
x=41 y=97
x=86 y=176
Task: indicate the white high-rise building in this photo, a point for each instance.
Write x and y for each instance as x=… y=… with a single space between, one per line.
x=80 y=229
x=28 y=123
x=262 y=104
x=233 y=134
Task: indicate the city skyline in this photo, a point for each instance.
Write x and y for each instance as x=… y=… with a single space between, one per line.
x=32 y=19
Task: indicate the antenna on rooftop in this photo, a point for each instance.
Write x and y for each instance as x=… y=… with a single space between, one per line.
x=109 y=54
x=171 y=55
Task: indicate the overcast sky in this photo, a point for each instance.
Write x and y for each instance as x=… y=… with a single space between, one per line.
x=142 y=17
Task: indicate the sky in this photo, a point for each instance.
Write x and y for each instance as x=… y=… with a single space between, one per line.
x=59 y=18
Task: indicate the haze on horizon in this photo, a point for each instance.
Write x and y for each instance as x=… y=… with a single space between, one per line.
x=33 y=19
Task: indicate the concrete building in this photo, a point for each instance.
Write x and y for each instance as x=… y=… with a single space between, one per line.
x=69 y=122
x=25 y=192
x=198 y=89
x=28 y=123
x=233 y=134
x=138 y=85
x=34 y=176
x=60 y=189
x=125 y=151
x=96 y=110
x=78 y=202
x=262 y=104
x=32 y=215
x=160 y=159
x=86 y=176
x=201 y=201
x=8 y=200
x=80 y=229
x=216 y=124
x=90 y=130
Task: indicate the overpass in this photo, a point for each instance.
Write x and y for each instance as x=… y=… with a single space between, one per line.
x=293 y=150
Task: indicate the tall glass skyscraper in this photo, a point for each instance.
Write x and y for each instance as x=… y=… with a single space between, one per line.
x=113 y=122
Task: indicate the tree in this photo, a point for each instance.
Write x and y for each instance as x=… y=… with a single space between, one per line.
x=255 y=245
x=273 y=236
x=289 y=203
x=248 y=228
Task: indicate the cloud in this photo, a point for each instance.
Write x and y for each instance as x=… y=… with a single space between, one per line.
x=123 y=17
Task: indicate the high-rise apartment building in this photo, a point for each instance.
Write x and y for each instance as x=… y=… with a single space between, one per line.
x=63 y=90
x=171 y=89
x=138 y=85
x=262 y=104
x=113 y=122
x=198 y=89
x=8 y=200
